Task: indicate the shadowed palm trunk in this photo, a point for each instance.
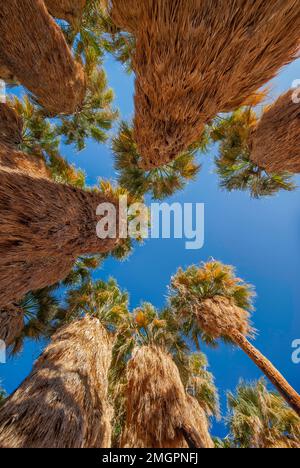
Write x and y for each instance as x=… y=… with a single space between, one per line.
x=11 y=126
x=63 y=403
x=159 y=414
x=275 y=143
x=11 y=323
x=44 y=223
x=33 y=48
x=284 y=388
x=69 y=10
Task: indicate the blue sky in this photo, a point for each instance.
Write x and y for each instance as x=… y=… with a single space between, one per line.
x=260 y=237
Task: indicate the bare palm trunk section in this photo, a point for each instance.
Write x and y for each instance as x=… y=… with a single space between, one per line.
x=33 y=48
x=284 y=388
x=175 y=98
x=159 y=413
x=11 y=323
x=64 y=403
x=11 y=126
x=275 y=143
x=68 y=10
x=44 y=223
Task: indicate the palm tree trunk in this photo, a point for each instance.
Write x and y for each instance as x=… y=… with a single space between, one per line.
x=11 y=126
x=68 y=10
x=284 y=388
x=33 y=48
x=275 y=143
x=63 y=403
x=40 y=220
x=158 y=411
x=29 y=164
x=186 y=74
x=11 y=323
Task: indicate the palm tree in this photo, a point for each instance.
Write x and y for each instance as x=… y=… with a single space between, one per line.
x=186 y=75
x=33 y=48
x=157 y=411
x=11 y=323
x=160 y=183
x=245 y=140
x=214 y=304
x=45 y=226
x=3 y=396
x=261 y=419
x=64 y=401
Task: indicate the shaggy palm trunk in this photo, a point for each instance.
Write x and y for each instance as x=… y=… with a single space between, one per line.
x=197 y=58
x=6 y=75
x=159 y=413
x=287 y=392
x=63 y=403
x=68 y=10
x=34 y=49
x=42 y=221
x=11 y=323
x=28 y=164
x=275 y=143
x=11 y=126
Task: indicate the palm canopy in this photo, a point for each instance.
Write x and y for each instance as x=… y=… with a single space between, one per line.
x=102 y=300
x=234 y=165
x=259 y=418
x=158 y=182
x=216 y=297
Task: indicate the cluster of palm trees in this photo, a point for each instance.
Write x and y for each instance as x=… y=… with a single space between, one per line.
x=110 y=376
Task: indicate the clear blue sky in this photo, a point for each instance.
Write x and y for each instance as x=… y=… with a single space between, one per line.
x=261 y=238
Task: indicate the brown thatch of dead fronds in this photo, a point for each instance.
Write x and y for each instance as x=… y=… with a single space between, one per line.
x=40 y=219
x=217 y=315
x=11 y=126
x=33 y=48
x=158 y=410
x=11 y=323
x=6 y=75
x=198 y=420
x=68 y=10
x=33 y=165
x=197 y=58
x=275 y=143
x=63 y=403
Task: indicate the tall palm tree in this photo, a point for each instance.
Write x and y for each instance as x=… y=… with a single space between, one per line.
x=215 y=304
x=45 y=226
x=33 y=48
x=186 y=75
x=247 y=143
x=160 y=183
x=64 y=401
x=158 y=413
x=259 y=418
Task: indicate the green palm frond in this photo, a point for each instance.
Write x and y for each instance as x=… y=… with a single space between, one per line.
x=159 y=183
x=234 y=165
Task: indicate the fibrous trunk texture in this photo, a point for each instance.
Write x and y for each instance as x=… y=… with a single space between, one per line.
x=11 y=126
x=158 y=410
x=63 y=403
x=34 y=49
x=43 y=221
x=275 y=143
x=11 y=323
x=197 y=58
x=68 y=10
x=6 y=75
x=29 y=164
x=284 y=388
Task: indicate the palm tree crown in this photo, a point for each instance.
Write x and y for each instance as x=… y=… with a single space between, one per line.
x=261 y=419
x=220 y=300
